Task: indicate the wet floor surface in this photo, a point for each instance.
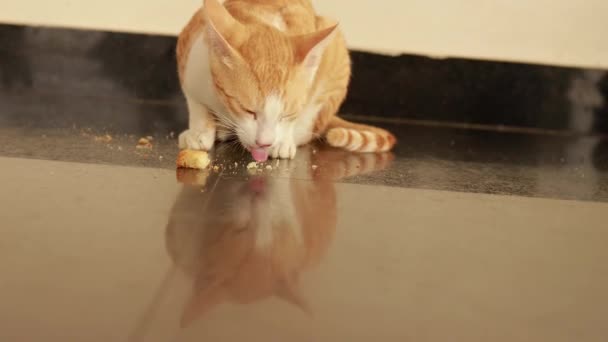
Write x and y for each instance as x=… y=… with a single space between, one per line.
x=95 y=252
x=462 y=233
x=438 y=158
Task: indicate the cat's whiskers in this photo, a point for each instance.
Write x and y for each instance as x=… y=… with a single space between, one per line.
x=234 y=146
x=226 y=123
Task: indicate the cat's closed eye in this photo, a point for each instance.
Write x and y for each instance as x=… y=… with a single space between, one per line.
x=252 y=113
x=288 y=117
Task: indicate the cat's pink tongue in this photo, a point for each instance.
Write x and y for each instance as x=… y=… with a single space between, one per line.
x=259 y=154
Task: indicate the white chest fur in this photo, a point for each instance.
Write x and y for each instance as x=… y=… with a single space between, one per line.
x=198 y=81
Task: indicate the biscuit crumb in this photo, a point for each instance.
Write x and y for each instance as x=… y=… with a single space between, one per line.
x=143 y=143
x=193 y=159
x=252 y=165
x=104 y=138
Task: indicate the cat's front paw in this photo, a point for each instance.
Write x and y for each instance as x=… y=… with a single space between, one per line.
x=283 y=150
x=197 y=140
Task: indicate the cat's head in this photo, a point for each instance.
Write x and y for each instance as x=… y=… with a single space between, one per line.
x=262 y=75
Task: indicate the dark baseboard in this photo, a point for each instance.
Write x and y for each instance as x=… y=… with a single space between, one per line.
x=65 y=72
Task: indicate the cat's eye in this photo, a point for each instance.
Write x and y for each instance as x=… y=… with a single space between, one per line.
x=252 y=113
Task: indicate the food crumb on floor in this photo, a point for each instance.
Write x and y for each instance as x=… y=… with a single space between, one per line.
x=143 y=143
x=193 y=159
x=103 y=138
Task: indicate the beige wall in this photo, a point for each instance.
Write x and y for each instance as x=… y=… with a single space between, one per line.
x=563 y=32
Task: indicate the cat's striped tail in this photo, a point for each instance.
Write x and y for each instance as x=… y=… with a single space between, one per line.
x=358 y=137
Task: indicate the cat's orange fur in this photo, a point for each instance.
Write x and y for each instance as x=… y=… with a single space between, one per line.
x=245 y=241
x=270 y=72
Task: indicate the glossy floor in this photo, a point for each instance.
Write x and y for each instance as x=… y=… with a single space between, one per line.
x=111 y=253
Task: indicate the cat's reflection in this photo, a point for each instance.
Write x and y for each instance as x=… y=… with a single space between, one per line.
x=244 y=239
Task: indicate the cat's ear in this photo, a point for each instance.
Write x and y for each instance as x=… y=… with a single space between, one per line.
x=310 y=47
x=289 y=291
x=223 y=31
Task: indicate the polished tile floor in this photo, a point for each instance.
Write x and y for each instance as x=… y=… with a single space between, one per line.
x=95 y=252
x=463 y=233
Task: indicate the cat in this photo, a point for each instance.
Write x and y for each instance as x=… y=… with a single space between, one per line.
x=270 y=73
x=245 y=239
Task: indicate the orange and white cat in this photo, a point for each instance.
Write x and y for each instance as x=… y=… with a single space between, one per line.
x=270 y=73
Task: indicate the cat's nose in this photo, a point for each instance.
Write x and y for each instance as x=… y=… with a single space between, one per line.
x=265 y=133
x=262 y=144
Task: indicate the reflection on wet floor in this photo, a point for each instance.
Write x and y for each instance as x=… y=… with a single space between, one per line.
x=102 y=252
x=244 y=235
x=244 y=240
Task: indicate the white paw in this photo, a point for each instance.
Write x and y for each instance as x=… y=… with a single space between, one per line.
x=197 y=140
x=283 y=150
